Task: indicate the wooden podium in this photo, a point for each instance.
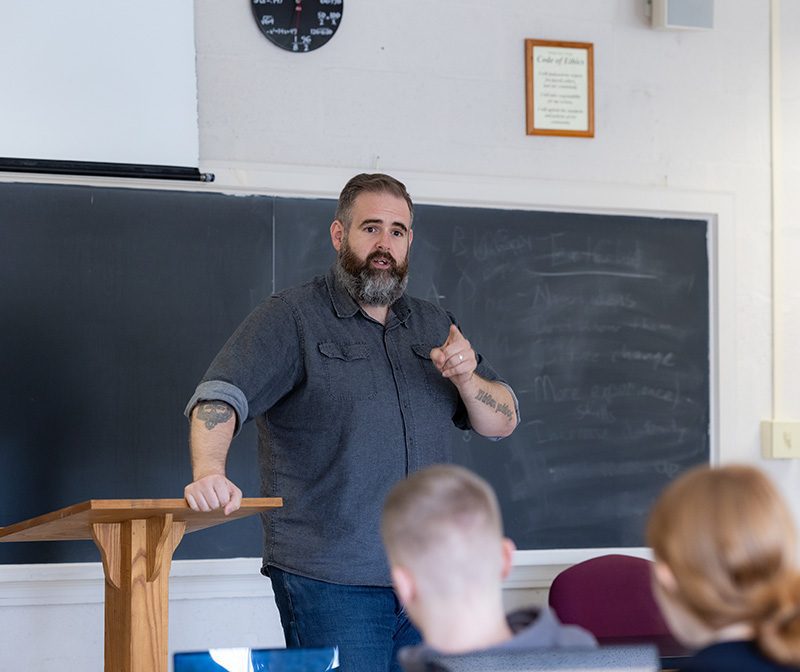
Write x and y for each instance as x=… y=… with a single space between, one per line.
x=136 y=538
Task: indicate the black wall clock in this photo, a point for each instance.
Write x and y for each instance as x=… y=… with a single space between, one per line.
x=298 y=25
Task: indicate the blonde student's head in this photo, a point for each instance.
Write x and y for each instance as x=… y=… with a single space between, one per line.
x=724 y=544
x=442 y=529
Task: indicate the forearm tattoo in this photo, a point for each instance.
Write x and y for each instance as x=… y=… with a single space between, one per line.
x=212 y=413
x=486 y=398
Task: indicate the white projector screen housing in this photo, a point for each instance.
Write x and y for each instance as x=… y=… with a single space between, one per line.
x=99 y=80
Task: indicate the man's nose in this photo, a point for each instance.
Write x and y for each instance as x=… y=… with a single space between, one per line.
x=384 y=242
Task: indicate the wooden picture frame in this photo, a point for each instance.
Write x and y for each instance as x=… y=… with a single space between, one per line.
x=559 y=88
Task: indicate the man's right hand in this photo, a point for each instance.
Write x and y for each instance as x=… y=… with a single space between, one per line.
x=210 y=434
x=212 y=492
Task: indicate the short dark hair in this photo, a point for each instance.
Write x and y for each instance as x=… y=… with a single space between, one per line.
x=375 y=183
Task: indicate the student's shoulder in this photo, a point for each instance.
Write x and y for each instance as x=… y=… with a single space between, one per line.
x=418 y=658
x=738 y=656
x=540 y=628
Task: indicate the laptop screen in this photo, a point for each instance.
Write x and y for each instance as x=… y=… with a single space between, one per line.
x=257 y=660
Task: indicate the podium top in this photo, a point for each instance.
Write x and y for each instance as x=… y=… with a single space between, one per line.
x=75 y=522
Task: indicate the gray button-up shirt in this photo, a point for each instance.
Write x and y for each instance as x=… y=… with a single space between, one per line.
x=345 y=408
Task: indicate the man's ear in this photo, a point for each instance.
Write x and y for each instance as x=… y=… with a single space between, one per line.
x=404 y=584
x=410 y=237
x=507 y=548
x=337 y=234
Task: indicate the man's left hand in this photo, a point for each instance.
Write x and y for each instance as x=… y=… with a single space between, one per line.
x=455 y=358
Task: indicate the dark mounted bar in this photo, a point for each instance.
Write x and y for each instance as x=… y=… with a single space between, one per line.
x=100 y=169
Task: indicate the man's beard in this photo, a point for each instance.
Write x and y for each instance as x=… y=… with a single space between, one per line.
x=371 y=286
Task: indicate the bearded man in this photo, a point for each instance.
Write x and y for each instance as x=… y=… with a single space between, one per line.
x=353 y=386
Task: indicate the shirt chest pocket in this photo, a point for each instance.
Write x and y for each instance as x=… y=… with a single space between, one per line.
x=349 y=373
x=437 y=385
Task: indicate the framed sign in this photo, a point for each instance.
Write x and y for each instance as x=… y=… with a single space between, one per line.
x=559 y=88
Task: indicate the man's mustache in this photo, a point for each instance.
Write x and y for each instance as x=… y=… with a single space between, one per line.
x=383 y=256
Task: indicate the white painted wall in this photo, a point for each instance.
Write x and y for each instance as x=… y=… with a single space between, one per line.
x=788 y=213
x=436 y=97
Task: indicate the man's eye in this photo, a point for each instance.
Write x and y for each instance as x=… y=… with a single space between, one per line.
x=399 y=234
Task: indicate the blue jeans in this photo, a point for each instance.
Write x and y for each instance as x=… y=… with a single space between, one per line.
x=367 y=623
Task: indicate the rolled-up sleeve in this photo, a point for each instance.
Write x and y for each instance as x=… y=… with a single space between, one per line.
x=259 y=364
x=219 y=390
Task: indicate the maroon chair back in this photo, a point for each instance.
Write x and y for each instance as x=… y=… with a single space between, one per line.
x=610 y=596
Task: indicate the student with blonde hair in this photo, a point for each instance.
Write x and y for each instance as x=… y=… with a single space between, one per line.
x=725 y=572
x=443 y=535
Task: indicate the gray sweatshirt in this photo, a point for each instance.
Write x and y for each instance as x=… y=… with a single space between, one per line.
x=533 y=629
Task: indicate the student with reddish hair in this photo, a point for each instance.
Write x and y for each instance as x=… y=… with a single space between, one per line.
x=725 y=572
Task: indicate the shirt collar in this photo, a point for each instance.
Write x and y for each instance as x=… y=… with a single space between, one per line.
x=346 y=306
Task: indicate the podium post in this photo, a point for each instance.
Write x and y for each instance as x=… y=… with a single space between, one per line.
x=136 y=538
